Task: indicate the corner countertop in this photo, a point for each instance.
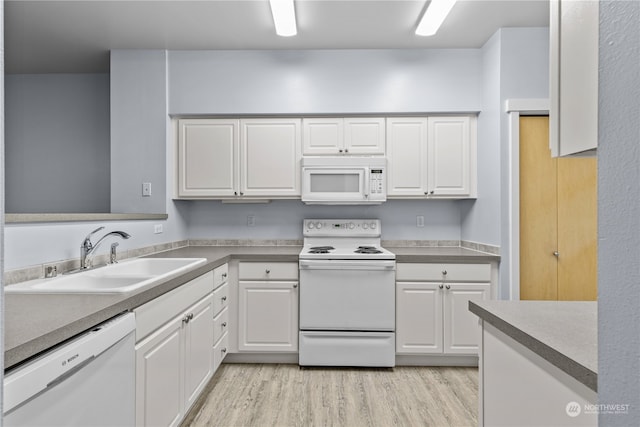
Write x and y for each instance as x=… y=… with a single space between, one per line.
x=35 y=323
x=565 y=333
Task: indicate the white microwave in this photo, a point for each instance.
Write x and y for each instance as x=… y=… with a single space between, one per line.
x=344 y=180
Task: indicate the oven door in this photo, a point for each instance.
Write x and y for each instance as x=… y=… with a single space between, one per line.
x=329 y=185
x=355 y=295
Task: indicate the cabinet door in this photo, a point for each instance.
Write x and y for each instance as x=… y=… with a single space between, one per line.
x=406 y=156
x=364 y=135
x=322 y=136
x=573 y=83
x=418 y=318
x=198 y=341
x=270 y=157
x=268 y=316
x=461 y=328
x=207 y=157
x=449 y=157
x=159 y=393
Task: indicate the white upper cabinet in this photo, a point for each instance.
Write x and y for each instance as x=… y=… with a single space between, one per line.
x=207 y=157
x=573 y=80
x=339 y=136
x=407 y=156
x=270 y=158
x=450 y=170
x=431 y=157
x=236 y=159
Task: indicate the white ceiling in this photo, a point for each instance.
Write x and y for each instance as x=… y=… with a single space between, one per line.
x=75 y=36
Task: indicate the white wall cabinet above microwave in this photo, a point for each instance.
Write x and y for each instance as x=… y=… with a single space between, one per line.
x=238 y=159
x=432 y=157
x=332 y=136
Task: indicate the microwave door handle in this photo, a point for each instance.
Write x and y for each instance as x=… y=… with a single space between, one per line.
x=367 y=178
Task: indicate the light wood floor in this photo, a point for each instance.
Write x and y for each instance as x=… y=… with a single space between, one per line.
x=287 y=395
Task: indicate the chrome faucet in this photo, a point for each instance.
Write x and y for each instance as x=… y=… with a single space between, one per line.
x=87 y=248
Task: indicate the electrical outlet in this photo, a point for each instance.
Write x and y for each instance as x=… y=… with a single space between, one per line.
x=251 y=221
x=146 y=189
x=420 y=221
x=157 y=229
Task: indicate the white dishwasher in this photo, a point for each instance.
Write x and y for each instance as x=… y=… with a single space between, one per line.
x=87 y=381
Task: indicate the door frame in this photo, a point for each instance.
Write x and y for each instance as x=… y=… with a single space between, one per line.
x=515 y=108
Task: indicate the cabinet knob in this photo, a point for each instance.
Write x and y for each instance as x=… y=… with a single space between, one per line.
x=448 y=286
x=431 y=192
x=346 y=150
x=224 y=324
x=556 y=254
x=295 y=286
x=267 y=271
x=224 y=350
x=224 y=275
x=241 y=193
x=440 y=286
x=224 y=298
x=340 y=150
x=235 y=193
x=444 y=272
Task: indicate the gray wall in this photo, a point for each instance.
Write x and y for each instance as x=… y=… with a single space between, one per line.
x=2 y=182
x=324 y=81
x=619 y=211
x=138 y=130
x=57 y=143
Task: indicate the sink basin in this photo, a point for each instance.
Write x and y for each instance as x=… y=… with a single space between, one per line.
x=120 y=278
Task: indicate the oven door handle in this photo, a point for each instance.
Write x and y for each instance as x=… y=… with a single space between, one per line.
x=347 y=265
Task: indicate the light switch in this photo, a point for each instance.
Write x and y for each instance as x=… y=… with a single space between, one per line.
x=146 y=189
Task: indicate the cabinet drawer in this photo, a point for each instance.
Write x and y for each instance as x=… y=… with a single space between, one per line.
x=220 y=351
x=220 y=275
x=268 y=271
x=439 y=272
x=220 y=325
x=157 y=312
x=220 y=298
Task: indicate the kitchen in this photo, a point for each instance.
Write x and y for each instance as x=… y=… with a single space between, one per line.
x=467 y=80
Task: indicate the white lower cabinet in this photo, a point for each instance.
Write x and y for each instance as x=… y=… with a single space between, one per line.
x=432 y=315
x=174 y=352
x=268 y=307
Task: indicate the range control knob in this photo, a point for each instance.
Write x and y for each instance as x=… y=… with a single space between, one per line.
x=318 y=225
x=365 y=226
x=310 y=226
x=373 y=226
x=351 y=226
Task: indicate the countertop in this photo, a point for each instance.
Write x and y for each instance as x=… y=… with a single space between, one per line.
x=34 y=323
x=565 y=333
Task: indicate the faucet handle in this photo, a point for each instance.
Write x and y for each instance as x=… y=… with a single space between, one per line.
x=87 y=240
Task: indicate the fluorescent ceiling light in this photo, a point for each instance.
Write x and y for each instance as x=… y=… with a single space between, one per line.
x=284 y=17
x=434 y=16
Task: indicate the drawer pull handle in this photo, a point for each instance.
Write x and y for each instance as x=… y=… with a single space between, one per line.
x=224 y=298
x=444 y=272
x=448 y=286
x=441 y=286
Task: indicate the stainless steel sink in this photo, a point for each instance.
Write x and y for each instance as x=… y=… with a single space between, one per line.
x=124 y=277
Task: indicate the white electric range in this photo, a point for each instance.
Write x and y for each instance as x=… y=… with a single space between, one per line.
x=347 y=295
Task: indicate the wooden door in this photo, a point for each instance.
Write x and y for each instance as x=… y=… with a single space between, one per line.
x=558 y=229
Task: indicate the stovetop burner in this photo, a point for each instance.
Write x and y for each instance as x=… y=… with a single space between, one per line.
x=320 y=249
x=367 y=250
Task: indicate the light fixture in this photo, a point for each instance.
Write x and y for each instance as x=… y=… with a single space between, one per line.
x=434 y=16
x=284 y=17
